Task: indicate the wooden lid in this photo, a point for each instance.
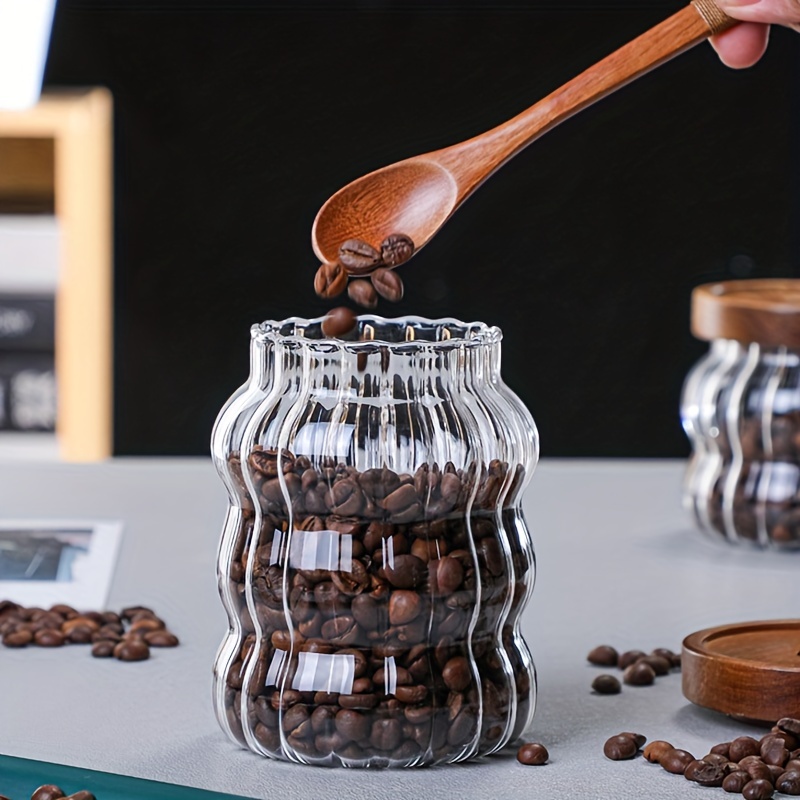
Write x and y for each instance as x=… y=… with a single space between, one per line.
x=764 y=311
x=749 y=670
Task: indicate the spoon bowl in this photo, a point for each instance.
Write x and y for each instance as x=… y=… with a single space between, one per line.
x=413 y=197
x=417 y=196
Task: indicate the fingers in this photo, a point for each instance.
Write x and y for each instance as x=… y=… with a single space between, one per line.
x=775 y=12
x=741 y=46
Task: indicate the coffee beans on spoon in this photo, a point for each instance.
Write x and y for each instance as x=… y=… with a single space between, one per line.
x=360 y=259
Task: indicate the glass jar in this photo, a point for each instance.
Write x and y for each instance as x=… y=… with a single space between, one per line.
x=740 y=409
x=389 y=559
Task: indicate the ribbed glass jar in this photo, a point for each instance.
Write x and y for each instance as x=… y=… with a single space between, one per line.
x=741 y=411
x=386 y=561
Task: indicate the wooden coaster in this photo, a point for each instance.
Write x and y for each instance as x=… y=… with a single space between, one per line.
x=749 y=670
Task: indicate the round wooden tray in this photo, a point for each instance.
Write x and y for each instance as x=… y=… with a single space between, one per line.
x=749 y=670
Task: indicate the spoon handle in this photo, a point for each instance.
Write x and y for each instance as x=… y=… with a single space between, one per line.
x=473 y=161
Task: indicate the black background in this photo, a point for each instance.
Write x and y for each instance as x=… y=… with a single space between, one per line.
x=235 y=121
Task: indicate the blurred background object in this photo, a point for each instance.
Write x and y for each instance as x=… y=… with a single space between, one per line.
x=24 y=36
x=235 y=121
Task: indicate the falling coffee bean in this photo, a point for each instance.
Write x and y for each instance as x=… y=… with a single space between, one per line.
x=606 y=684
x=603 y=656
x=363 y=293
x=620 y=748
x=338 y=321
x=330 y=280
x=532 y=754
x=396 y=249
x=388 y=284
x=358 y=257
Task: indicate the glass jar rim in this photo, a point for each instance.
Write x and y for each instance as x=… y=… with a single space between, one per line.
x=443 y=333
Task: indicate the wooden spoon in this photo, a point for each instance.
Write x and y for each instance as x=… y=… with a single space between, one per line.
x=417 y=196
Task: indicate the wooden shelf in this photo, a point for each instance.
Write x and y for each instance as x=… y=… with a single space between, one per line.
x=79 y=122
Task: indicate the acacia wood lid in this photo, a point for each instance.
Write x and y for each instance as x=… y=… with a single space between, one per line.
x=764 y=311
x=749 y=670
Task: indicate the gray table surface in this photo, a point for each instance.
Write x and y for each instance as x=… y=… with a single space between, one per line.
x=618 y=563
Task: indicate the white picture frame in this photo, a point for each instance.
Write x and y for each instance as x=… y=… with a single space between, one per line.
x=72 y=561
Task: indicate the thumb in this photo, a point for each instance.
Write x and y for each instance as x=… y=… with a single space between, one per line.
x=771 y=12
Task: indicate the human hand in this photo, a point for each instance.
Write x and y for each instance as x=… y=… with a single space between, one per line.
x=743 y=45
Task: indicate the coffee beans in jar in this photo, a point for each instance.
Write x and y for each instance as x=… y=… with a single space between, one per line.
x=367 y=647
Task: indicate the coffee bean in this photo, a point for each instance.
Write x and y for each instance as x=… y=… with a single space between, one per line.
x=132 y=650
x=723 y=749
x=338 y=321
x=358 y=257
x=665 y=652
x=48 y=792
x=656 y=750
x=629 y=657
x=388 y=284
x=704 y=773
x=330 y=280
x=406 y=572
x=83 y=794
x=789 y=783
x=396 y=249
x=17 y=638
x=103 y=648
x=603 y=656
x=533 y=754
x=743 y=746
x=353 y=725
x=386 y=734
x=457 y=674
x=161 y=639
x=735 y=781
x=49 y=638
x=676 y=760
x=404 y=605
x=773 y=751
x=789 y=725
x=758 y=790
x=606 y=684
x=363 y=293
x=638 y=738
x=639 y=674
x=620 y=748
x=660 y=665
x=446 y=575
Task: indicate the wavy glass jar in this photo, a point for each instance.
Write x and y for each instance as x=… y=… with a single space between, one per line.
x=389 y=559
x=740 y=408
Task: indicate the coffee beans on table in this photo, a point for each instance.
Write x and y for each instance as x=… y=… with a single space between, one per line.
x=676 y=760
x=105 y=631
x=532 y=754
x=656 y=750
x=629 y=657
x=48 y=792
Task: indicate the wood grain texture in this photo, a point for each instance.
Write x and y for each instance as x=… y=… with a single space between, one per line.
x=79 y=123
x=418 y=195
x=763 y=311
x=749 y=670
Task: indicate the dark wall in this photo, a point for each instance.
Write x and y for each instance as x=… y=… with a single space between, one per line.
x=235 y=121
